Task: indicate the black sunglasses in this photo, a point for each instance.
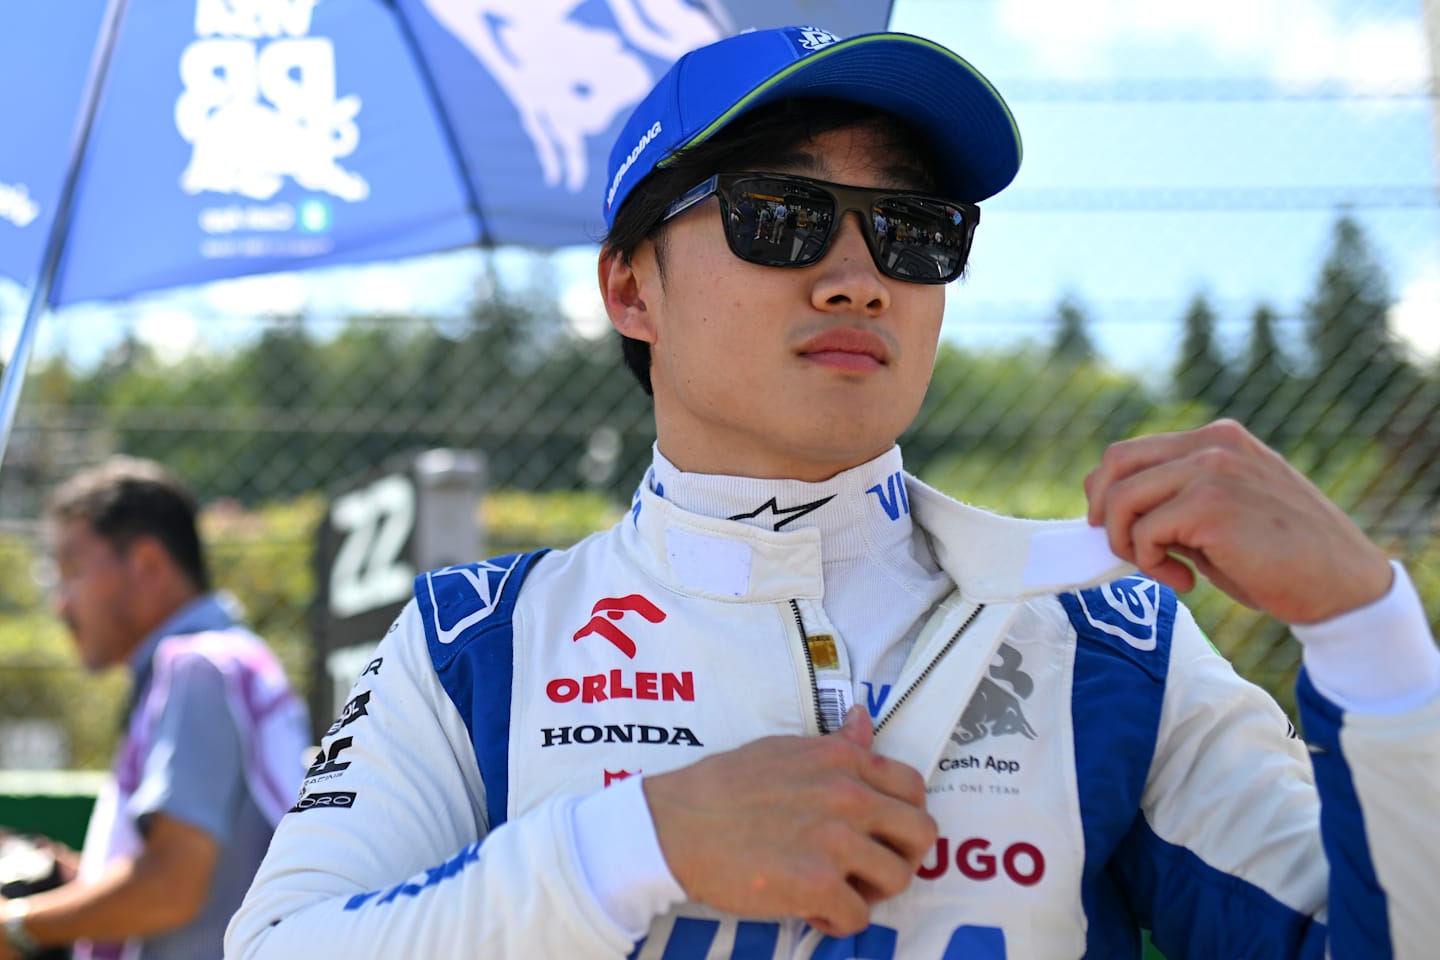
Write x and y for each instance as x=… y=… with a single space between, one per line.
x=777 y=220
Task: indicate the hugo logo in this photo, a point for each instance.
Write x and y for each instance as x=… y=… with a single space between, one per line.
x=615 y=608
x=1022 y=862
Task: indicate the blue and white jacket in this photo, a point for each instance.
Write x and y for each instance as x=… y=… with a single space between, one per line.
x=1094 y=765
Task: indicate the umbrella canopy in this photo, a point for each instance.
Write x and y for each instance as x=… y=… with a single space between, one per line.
x=158 y=143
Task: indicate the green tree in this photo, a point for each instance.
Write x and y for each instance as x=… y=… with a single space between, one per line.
x=1361 y=388
x=1356 y=361
x=1200 y=370
x=1003 y=430
x=1072 y=344
x=1265 y=395
x=282 y=370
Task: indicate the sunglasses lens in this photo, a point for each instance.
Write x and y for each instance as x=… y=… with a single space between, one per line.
x=779 y=222
x=920 y=239
x=786 y=222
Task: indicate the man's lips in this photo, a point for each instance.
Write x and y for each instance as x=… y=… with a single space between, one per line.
x=847 y=348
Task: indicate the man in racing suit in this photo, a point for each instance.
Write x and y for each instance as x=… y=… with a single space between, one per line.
x=797 y=704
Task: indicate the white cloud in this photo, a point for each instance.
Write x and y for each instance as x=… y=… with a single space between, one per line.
x=580 y=302
x=273 y=293
x=170 y=331
x=1298 y=43
x=1415 y=318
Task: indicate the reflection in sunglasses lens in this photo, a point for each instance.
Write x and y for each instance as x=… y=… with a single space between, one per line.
x=785 y=223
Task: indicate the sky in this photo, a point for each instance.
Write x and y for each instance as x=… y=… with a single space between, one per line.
x=1170 y=149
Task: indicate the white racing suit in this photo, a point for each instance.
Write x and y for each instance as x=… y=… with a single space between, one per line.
x=1093 y=764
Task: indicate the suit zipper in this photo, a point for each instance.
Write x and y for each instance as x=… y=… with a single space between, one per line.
x=895 y=707
x=809 y=668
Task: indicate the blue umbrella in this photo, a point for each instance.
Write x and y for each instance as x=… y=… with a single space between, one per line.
x=157 y=143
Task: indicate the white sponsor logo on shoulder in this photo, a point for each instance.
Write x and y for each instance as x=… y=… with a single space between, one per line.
x=1128 y=609
x=488 y=581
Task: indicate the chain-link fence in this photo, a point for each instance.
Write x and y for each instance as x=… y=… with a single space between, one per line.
x=266 y=430
x=273 y=414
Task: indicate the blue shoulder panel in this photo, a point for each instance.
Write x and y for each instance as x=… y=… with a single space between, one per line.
x=1122 y=656
x=1359 y=918
x=1197 y=912
x=1132 y=617
x=468 y=611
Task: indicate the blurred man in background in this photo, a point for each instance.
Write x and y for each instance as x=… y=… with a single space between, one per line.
x=212 y=750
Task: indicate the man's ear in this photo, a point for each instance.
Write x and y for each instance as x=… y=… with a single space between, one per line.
x=623 y=290
x=148 y=557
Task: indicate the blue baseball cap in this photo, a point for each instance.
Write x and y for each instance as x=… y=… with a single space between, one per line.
x=976 y=142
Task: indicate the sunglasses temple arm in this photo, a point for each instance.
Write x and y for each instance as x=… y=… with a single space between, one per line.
x=692 y=196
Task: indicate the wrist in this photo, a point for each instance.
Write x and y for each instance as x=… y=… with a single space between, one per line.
x=1380 y=658
x=17 y=937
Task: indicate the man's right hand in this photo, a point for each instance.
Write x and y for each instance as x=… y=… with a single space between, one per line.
x=814 y=827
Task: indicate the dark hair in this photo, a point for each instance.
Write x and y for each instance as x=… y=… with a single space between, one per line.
x=125 y=498
x=768 y=136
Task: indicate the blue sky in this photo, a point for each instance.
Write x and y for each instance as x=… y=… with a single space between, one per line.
x=1171 y=148
x=1274 y=113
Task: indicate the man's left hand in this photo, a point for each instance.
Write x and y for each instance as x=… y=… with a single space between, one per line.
x=1247 y=520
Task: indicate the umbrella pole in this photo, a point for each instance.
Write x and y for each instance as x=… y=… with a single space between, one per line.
x=59 y=226
x=15 y=369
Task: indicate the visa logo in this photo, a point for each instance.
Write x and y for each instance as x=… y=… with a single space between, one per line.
x=875 y=699
x=891 y=495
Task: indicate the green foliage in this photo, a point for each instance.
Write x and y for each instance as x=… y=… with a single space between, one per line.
x=1200 y=371
x=264 y=557
x=266 y=429
x=1347 y=322
x=987 y=435
x=20 y=588
x=513 y=520
x=1424 y=569
x=1266 y=396
x=41 y=679
x=296 y=411
x=1072 y=344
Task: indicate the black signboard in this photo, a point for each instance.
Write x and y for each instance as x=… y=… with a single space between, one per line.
x=390 y=525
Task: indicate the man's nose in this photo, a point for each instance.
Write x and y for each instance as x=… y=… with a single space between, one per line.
x=848 y=273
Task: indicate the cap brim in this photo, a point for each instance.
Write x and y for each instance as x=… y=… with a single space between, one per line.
x=975 y=138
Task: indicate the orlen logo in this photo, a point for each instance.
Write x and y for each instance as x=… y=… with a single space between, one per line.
x=612 y=776
x=644 y=685
x=615 y=608
x=1021 y=862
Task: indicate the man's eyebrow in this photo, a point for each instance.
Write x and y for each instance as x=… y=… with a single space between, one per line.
x=909 y=176
x=798 y=161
